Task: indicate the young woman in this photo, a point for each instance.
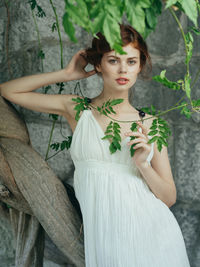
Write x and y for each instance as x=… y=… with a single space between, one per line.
x=124 y=200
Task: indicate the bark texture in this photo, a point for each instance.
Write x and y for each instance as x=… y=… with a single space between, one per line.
x=38 y=198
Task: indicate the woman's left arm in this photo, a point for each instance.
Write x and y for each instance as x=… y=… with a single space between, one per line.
x=158 y=175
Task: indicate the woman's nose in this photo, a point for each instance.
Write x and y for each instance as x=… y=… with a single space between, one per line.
x=122 y=68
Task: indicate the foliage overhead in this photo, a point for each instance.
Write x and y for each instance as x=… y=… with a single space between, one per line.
x=105 y=15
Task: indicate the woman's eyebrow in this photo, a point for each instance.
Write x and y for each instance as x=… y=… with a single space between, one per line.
x=119 y=58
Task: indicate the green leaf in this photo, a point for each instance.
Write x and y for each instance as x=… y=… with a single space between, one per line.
x=117 y=144
x=78 y=16
x=153 y=139
x=55 y=146
x=113 y=10
x=153 y=132
x=112 y=110
x=159 y=144
x=163 y=134
x=69 y=28
x=107 y=136
x=162 y=128
x=190 y=8
x=196 y=103
x=54 y=116
x=144 y=3
x=189 y=42
x=185 y=111
x=112 y=148
x=163 y=80
x=108 y=131
x=96 y=9
x=154 y=127
x=117 y=136
x=108 y=111
x=154 y=122
x=78 y=107
x=47 y=88
x=54 y=27
x=77 y=99
x=119 y=49
x=63 y=145
x=187 y=86
x=196 y=30
x=151 y=17
x=98 y=22
x=41 y=54
x=161 y=121
x=116 y=101
x=163 y=141
x=32 y=4
x=134 y=126
x=157 y=4
x=77 y=117
x=104 y=113
x=132 y=150
x=116 y=125
x=170 y=3
x=111 y=30
x=40 y=12
x=135 y=15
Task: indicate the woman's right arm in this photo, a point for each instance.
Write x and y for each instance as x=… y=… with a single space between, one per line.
x=19 y=91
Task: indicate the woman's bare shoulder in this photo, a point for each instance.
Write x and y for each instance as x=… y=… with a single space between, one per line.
x=70 y=111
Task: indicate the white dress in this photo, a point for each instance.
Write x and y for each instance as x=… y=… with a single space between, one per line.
x=125 y=224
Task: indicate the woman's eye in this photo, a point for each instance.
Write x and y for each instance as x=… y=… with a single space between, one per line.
x=112 y=61
x=132 y=62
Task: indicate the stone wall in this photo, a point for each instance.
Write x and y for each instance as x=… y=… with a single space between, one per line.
x=167 y=50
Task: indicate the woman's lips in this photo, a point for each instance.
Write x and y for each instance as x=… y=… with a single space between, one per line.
x=122 y=81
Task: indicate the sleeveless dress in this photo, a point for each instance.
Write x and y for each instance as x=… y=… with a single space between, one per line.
x=124 y=223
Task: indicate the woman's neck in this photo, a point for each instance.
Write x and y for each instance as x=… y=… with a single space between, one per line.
x=105 y=95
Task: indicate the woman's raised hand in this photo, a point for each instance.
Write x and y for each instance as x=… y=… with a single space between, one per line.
x=75 y=70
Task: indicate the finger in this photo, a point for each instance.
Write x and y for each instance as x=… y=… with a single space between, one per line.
x=144 y=128
x=142 y=145
x=91 y=72
x=82 y=51
x=137 y=140
x=137 y=134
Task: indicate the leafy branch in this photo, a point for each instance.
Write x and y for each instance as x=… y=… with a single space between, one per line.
x=159 y=129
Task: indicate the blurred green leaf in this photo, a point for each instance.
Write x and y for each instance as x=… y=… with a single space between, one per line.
x=69 y=28
x=163 y=80
x=190 y=8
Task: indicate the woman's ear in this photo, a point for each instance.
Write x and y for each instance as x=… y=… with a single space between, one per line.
x=98 y=68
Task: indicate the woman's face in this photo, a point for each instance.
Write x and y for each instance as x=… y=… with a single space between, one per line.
x=119 y=72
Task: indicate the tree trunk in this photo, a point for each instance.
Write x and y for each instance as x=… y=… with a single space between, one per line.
x=29 y=236
x=29 y=185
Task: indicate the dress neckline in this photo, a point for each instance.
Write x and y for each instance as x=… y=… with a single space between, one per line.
x=100 y=128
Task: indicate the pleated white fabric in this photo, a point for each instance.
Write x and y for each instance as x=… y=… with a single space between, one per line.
x=125 y=224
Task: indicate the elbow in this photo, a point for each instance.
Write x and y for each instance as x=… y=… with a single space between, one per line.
x=171 y=203
x=2 y=91
x=173 y=198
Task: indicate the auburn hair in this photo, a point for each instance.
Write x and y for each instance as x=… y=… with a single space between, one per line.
x=100 y=46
